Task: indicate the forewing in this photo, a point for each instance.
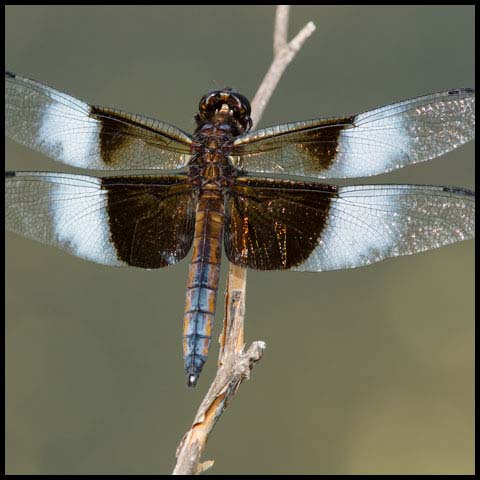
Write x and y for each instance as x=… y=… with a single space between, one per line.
x=140 y=221
x=369 y=143
x=307 y=227
x=75 y=133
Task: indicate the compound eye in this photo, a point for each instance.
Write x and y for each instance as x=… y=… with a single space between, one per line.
x=245 y=104
x=209 y=100
x=202 y=106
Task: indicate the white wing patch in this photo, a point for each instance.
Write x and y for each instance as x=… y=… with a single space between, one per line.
x=384 y=143
x=69 y=134
x=357 y=233
x=80 y=221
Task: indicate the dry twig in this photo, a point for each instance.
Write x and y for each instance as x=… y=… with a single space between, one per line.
x=235 y=362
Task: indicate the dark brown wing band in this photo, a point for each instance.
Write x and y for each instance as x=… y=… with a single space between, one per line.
x=274 y=224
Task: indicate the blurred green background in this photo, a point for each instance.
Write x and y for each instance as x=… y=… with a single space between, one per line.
x=366 y=371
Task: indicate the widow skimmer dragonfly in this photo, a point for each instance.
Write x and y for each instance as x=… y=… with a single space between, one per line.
x=152 y=220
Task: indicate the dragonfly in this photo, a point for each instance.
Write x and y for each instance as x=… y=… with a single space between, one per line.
x=257 y=195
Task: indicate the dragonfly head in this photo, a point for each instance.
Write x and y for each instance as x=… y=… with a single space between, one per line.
x=225 y=106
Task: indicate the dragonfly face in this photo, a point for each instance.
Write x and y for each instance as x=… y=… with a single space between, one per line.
x=216 y=203
x=223 y=107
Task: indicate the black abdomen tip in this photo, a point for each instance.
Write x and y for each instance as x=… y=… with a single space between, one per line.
x=192 y=380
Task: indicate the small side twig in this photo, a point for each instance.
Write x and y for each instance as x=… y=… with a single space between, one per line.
x=235 y=363
x=284 y=53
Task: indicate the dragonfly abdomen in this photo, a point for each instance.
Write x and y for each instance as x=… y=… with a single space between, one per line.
x=202 y=283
